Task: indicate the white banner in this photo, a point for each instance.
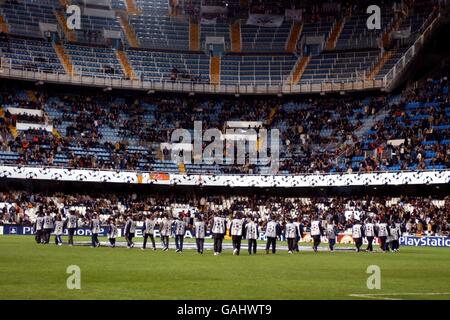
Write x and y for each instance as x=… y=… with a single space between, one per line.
x=265 y=20
x=22 y=126
x=223 y=180
x=31 y=112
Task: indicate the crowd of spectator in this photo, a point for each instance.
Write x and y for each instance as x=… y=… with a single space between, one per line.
x=419 y=215
x=317 y=135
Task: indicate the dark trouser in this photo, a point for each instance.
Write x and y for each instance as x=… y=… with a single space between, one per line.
x=129 y=238
x=296 y=244
x=218 y=238
x=316 y=242
x=370 y=244
x=58 y=239
x=165 y=242
x=71 y=233
x=331 y=243
x=383 y=243
x=358 y=243
x=179 y=242
x=47 y=233
x=237 y=243
x=112 y=241
x=251 y=246
x=146 y=236
x=200 y=243
x=271 y=242
x=291 y=244
x=395 y=244
x=38 y=236
x=94 y=239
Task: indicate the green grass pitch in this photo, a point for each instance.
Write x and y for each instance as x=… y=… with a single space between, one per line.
x=31 y=271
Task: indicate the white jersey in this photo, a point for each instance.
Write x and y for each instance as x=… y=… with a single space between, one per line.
x=369 y=228
x=149 y=226
x=59 y=228
x=331 y=231
x=382 y=230
x=39 y=223
x=166 y=227
x=236 y=227
x=271 y=229
x=315 y=228
x=200 y=229
x=180 y=227
x=357 y=231
x=71 y=221
x=252 y=230
x=218 y=225
x=48 y=222
x=95 y=226
x=290 y=231
x=395 y=233
x=113 y=231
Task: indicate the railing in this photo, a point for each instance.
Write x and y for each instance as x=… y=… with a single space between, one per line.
x=396 y=71
x=255 y=87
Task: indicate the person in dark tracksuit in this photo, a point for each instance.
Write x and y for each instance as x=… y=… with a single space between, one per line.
x=252 y=235
x=273 y=231
x=382 y=232
x=332 y=233
x=112 y=232
x=39 y=228
x=130 y=229
x=59 y=228
x=71 y=225
x=357 y=235
x=200 y=233
x=369 y=231
x=180 y=230
x=218 y=230
x=148 y=230
x=316 y=232
x=94 y=225
x=48 y=227
x=236 y=231
x=290 y=233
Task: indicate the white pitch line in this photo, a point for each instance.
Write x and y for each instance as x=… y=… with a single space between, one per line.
x=381 y=295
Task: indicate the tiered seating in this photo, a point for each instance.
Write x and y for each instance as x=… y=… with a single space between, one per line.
x=339 y=66
x=215 y=30
x=256 y=69
x=93 y=61
x=260 y=39
x=159 y=65
x=23 y=17
x=355 y=34
x=155 y=29
x=36 y=55
x=94 y=24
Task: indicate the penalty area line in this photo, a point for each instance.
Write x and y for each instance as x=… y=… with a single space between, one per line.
x=385 y=296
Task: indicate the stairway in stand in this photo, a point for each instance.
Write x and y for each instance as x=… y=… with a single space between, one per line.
x=125 y=64
x=64 y=59
x=214 y=70
x=235 y=36
x=194 y=35
x=294 y=35
x=299 y=68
